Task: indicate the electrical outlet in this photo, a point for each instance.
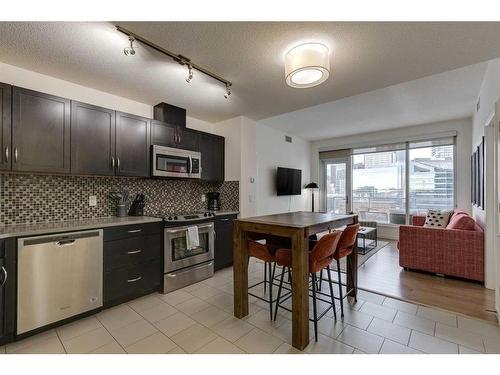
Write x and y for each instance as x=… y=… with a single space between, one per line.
x=92 y=201
x=203 y=197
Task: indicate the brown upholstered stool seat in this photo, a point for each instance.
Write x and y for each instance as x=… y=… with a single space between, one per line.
x=260 y=251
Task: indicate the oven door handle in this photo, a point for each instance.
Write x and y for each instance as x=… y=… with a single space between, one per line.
x=173 y=275
x=183 y=229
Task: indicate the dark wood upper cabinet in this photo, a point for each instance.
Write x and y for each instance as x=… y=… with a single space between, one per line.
x=5 y=126
x=40 y=132
x=212 y=157
x=187 y=139
x=163 y=134
x=92 y=139
x=132 y=145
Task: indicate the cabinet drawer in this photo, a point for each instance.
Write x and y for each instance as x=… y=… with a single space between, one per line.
x=131 y=251
x=129 y=282
x=129 y=231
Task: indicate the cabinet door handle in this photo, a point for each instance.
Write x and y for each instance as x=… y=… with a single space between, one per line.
x=7 y=154
x=112 y=162
x=118 y=163
x=4 y=276
x=134 y=252
x=134 y=231
x=16 y=154
x=134 y=280
x=226 y=219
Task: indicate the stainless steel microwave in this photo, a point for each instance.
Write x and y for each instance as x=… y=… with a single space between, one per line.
x=174 y=162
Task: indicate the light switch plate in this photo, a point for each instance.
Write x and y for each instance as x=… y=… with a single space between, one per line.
x=92 y=200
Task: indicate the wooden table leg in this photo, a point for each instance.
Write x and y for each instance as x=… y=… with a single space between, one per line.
x=240 y=271
x=300 y=290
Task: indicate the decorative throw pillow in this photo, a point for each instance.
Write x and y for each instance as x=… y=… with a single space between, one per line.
x=437 y=218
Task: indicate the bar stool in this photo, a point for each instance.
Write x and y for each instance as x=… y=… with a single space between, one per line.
x=263 y=253
x=320 y=258
x=346 y=245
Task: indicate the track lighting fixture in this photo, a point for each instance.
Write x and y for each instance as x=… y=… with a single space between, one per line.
x=190 y=74
x=228 y=91
x=182 y=60
x=130 y=51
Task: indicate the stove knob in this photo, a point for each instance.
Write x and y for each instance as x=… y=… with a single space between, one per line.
x=205 y=214
x=213 y=213
x=170 y=218
x=175 y=217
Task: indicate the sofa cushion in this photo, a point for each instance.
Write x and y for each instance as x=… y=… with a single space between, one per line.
x=461 y=221
x=437 y=218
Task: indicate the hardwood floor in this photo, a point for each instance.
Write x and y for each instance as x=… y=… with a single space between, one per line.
x=382 y=274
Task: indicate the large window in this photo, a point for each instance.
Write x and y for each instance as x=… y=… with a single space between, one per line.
x=378 y=186
x=390 y=183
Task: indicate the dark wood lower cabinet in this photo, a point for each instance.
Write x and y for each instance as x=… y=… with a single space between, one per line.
x=132 y=262
x=7 y=290
x=223 y=241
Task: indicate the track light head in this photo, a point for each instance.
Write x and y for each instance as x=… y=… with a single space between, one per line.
x=130 y=51
x=190 y=74
x=228 y=92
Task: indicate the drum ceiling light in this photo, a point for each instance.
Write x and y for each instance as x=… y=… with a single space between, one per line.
x=307 y=65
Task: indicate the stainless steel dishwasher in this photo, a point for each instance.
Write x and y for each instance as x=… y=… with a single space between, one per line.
x=58 y=276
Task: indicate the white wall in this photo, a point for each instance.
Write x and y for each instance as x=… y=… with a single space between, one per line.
x=273 y=151
x=489 y=94
x=40 y=82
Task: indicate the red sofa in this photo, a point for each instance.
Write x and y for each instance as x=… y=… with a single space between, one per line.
x=457 y=250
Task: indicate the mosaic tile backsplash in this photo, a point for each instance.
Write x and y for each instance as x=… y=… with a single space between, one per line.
x=30 y=199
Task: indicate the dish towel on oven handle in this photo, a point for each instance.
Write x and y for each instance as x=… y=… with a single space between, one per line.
x=192 y=238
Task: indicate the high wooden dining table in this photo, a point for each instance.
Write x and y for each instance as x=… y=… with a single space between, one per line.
x=297 y=226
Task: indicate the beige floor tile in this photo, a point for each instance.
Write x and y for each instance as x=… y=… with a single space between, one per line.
x=262 y=320
x=177 y=350
x=437 y=315
x=32 y=340
x=220 y=346
x=51 y=345
x=192 y=306
x=389 y=330
x=415 y=322
x=174 y=324
x=466 y=350
x=391 y=347
x=210 y=316
x=459 y=336
x=176 y=297
x=359 y=339
x=193 y=287
x=118 y=317
x=134 y=332
x=379 y=311
x=158 y=312
x=77 y=328
x=258 y=342
x=357 y=351
x=227 y=288
x=483 y=328
x=206 y=292
x=222 y=300
x=327 y=345
x=286 y=348
x=431 y=345
x=110 y=348
x=88 y=341
x=356 y=318
x=232 y=328
x=2 y=349
x=194 y=338
x=157 y=343
x=216 y=281
x=370 y=297
x=492 y=345
x=330 y=327
x=145 y=303
x=406 y=307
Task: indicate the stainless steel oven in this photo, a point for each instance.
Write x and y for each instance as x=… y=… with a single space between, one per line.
x=184 y=266
x=174 y=162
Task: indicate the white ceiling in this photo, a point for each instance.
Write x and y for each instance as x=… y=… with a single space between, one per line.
x=439 y=97
x=365 y=57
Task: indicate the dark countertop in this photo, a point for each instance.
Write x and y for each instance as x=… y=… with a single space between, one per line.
x=24 y=230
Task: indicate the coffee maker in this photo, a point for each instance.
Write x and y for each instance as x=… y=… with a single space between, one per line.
x=213 y=201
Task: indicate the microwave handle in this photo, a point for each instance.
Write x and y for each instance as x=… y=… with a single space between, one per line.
x=190 y=167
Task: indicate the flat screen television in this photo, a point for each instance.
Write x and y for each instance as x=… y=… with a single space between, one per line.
x=289 y=181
